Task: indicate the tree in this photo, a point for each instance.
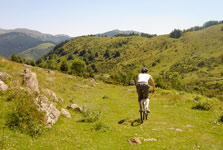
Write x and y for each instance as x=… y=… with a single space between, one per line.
x=175 y=79
x=32 y=63
x=78 y=67
x=176 y=33
x=16 y=58
x=117 y=54
x=106 y=54
x=64 y=66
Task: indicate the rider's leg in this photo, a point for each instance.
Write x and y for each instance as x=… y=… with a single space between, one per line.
x=147 y=105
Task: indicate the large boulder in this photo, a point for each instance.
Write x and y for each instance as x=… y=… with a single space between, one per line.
x=30 y=80
x=65 y=113
x=52 y=114
x=3 y=86
x=50 y=93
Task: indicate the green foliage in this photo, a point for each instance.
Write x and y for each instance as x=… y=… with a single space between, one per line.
x=101 y=126
x=16 y=58
x=168 y=80
x=78 y=67
x=64 y=66
x=205 y=25
x=91 y=115
x=202 y=103
x=222 y=29
x=221 y=118
x=176 y=33
x=121 y=78
x=32 y=63
x=25 y=115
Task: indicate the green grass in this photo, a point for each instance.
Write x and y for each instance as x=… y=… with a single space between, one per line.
x=170 y=110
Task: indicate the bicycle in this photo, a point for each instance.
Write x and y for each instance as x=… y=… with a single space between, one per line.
x=143 y=109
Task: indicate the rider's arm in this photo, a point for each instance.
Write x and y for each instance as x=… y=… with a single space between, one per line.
x=153 y=83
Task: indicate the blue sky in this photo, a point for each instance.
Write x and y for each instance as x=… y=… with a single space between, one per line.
x=81 y=17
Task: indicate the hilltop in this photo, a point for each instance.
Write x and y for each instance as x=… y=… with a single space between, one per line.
x=172 y=124
x=197 y=56
x=38 y=35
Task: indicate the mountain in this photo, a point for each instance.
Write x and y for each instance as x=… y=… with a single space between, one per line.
x=197 y=56
x=15 y=42
x=36 y=52
x=116 y=32
x=38 y=35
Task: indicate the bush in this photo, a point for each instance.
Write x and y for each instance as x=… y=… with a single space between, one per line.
x=78 y=67
x=91 y=115
x=176 y=33
x=25 y=116
x=202 y=103
x=221 y=118
x=100 y=126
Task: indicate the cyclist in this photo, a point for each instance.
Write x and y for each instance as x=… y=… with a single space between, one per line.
x=142 y=86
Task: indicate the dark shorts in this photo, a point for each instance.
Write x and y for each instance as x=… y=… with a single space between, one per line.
x=142 y=90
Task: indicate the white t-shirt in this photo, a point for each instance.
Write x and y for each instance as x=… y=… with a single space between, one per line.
x=144 y=77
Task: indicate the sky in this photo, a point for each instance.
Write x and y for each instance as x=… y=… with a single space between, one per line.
x=83 y=17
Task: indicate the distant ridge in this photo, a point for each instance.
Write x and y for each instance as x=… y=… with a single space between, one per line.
x=38 y=35
x=116 y=32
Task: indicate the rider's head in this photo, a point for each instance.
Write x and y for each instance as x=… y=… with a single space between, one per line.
x=144 y=70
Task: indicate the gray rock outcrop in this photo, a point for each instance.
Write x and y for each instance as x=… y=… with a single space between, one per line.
x=50 y=93
x=65 y=113
x=52 y=114
x=3 y=86
x=30 y=80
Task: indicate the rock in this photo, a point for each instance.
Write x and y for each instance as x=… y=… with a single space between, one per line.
x=4 y=76
x=188 y=126
x=50 y=71
x=61 y=99
x=65 y=113
x=50 y=93
x=29 y=66
x=3 y=86
x=82 y=86
x=132 y=82
x=51 y=112
x=179 y=130
x=135 y=140
x=30 y=80
x=74 y=107
x=150 y=140
x=51 y=79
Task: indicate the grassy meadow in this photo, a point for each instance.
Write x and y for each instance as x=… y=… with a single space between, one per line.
x=172 y=122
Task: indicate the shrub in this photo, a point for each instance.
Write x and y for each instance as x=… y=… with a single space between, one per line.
x=91 y=115
x=25 y=115
x=64 y=66
x=176 y=33
x=78 y=67
x=202 y=103
x=100 y=126
x=221 y=118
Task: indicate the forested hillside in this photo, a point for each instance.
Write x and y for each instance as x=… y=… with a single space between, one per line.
x=196 y=57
